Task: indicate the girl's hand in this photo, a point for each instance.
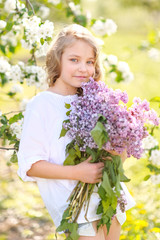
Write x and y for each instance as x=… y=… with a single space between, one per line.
x=89 y=172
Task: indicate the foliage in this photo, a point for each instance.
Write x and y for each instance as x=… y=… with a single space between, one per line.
x=11 y=35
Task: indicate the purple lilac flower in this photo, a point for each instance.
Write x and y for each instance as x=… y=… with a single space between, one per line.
x=125 y=127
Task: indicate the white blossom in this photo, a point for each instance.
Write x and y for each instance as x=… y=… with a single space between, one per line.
x=154 y=54
x=155 y=157
x=55 y=2
x=104 y=27
x=149 y=142
x=4 y=65
x=127 y=76
x=16 y=128
x=42 y=51
x=23 y=104
x=46 y=29
x=106 y=64
x=99 y=41
x=0 y=113
x=123 y=66
x=112 y=59
x=12 y=36
x=10 y=5
x=126 y=73
x=44 y=11
x=16 y=88
x=75 y=8
x=145 y=44
x=98 y=28
x=26 y=45
x=21 y=64
x=37 y=77
x=8 y=154
x=2 y=24
x=35 y=30
x=110 y=26
x=15 y=74
x=112 y=77
x=155 y=179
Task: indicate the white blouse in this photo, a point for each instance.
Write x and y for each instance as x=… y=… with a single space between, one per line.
x=40 y=141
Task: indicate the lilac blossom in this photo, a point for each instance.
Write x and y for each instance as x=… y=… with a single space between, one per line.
x=125 y=127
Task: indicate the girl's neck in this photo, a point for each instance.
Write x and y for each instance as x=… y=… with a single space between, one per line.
x=60 y=89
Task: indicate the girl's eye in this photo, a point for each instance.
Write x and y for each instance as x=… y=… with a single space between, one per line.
x=90 y=62
x=73 y=60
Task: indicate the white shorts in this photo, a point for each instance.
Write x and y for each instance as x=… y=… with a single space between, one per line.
x=86 y=229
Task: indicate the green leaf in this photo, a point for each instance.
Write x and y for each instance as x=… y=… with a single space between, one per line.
x=63 y=132
x=123 y=178
x=2 y=130
x=68 y=112
x=78 y=152
x=99 y=134
x=66 y=214
x=11 y=94
x=147 y=177
x=155 y=99
x=9 y=26
x=105 y=205
x=12 y=49
x=15 y=118
x=4 y=119
x=42 y=41
x=106 y=185
x=102 y=192
x=80 y=19
x=3 y=48
x=30 y=13
x=92 y=152
x=102 y=119
x=100 y=208
x=71 y=157
x=14 y=158
x=73 y=229
x=63 y=226
x=114 y=202
x=153 y=168
x=67 y=105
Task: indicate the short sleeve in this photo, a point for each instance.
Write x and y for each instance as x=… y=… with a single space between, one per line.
x=34 y=142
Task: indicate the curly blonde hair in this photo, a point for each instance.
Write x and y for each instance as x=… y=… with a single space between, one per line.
x=63 y=40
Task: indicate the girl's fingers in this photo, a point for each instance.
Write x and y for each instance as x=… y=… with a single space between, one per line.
x=100 y=165
x=89 y=159
x=107 y=158
x=98 y=180
x=100 y=170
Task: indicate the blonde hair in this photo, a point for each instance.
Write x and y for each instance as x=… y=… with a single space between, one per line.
x=63 y=40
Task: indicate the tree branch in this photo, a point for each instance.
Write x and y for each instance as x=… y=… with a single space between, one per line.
x=28 y=3
x=4 y=148
x=12 y=112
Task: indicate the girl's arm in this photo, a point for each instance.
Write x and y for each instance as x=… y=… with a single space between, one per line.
x=85 y=171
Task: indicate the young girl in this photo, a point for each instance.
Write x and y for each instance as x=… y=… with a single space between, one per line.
x=72 y=59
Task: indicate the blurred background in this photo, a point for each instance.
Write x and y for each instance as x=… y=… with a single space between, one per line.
x=22 y=212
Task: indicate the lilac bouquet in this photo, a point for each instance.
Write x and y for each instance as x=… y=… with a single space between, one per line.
x=99 y=123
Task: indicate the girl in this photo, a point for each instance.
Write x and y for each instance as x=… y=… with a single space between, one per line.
x=72 y=59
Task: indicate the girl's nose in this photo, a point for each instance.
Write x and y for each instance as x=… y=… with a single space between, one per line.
x=82 y=67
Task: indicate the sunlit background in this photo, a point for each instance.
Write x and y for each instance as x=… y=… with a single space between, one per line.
x=22 y=212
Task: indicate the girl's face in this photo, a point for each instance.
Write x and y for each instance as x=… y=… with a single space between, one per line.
x=77 y=65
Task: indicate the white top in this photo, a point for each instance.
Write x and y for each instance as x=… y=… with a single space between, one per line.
x=40 y=141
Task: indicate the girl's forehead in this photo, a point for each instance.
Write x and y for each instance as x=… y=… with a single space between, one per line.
x=79 y=46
